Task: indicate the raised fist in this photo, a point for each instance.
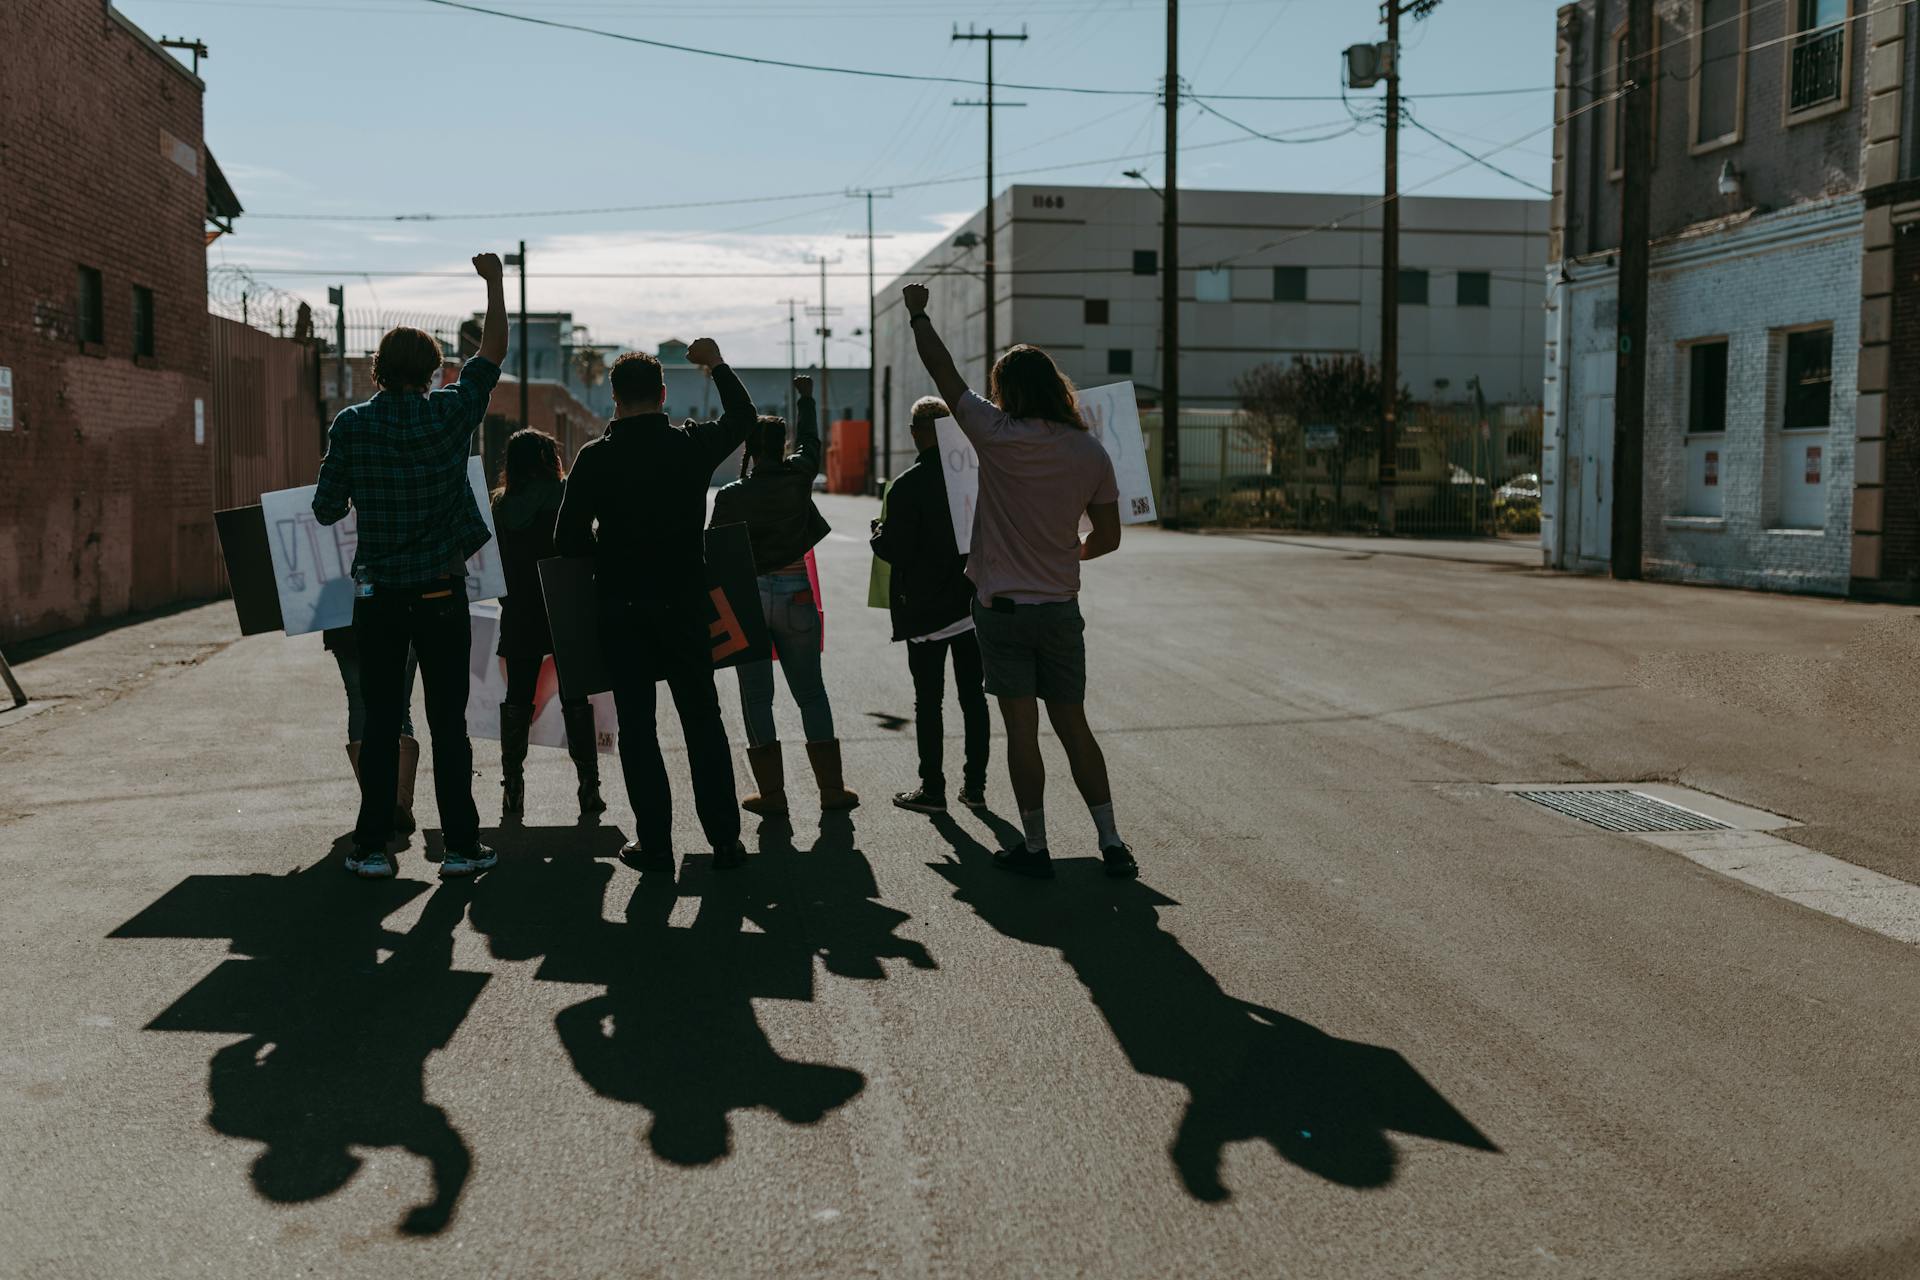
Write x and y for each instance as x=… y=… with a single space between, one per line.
x=704 y=352
x=915 y=296
x=487 y=265
x=803 y=386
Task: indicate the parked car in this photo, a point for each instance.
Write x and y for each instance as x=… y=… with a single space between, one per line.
x=1522 y=488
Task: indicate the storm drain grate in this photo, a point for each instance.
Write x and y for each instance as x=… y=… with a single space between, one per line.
x=1622 y=810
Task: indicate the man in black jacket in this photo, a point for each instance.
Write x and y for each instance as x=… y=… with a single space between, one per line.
x=644 y=483
x=930 y=599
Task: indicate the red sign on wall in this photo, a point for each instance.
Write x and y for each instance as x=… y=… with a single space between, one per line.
x=1813 y=464
x=1713 y=469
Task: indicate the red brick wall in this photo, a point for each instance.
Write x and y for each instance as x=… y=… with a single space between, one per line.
x=105 y=499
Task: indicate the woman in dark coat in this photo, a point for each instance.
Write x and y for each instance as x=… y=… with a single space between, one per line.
x=774 y=498
x=524 y=508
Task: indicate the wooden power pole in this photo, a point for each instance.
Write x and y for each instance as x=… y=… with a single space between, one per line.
x=989 y=35
x=1630 y=371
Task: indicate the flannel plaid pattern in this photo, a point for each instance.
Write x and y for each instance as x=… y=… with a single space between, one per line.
x=402 y=462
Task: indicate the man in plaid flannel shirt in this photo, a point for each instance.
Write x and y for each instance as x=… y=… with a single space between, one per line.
x=400 y=460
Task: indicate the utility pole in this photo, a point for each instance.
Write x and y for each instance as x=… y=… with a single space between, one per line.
x=1170 y=285
x=1630 y=371
x=873 y=340
x=793 y=350
x=337 y=295
x=989 y=35
x=520 y=260
x=825 y=331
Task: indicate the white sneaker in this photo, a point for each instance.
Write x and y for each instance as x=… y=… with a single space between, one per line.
x=464 y=862
x=370 y=864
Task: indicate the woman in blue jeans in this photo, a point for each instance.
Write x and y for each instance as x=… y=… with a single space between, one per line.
x=774 y=498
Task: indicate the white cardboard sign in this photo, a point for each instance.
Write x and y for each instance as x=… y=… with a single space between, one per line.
x=487 y=686
x=313 y=563
x=1112 y=415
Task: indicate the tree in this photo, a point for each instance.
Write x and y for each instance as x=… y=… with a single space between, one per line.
x=1283 y=400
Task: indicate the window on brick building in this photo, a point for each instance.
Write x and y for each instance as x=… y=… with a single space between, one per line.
x=1819 y=57
x=142 y=321
x=89 y=316
x=1413 y=288
x=1706 y=387
x=1718 y=90
x=1473 y=289
x=1807 y=398
x=1119 y=361
x=1801 y=448
x=1289 y=284
x=1096 y=311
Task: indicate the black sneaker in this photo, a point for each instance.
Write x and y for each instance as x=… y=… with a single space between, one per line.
x=647 y=861
x=974 y=797
x=466 y=862
x=1024 y=861
x=728 y=856
x=1120 y=863
x=370 y=864
x=921 y=800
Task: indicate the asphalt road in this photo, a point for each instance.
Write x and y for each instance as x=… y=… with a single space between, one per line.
x=1362 y=1015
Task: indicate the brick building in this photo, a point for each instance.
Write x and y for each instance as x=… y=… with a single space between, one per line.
x=1771 y=311
x=105 y=483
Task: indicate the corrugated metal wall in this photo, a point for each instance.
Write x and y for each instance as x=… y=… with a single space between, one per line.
x=265 y=425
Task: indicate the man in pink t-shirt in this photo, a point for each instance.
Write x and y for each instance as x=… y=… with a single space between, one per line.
x=1040 y=471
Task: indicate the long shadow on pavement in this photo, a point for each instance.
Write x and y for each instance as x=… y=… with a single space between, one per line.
x=1251 y=1073
x=674 y=1031
x=336 y=1036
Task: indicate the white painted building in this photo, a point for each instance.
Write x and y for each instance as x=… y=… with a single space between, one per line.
x=1264 y=276
x=1753 y=339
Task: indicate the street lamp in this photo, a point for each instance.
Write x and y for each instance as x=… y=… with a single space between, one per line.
x=1141 y=178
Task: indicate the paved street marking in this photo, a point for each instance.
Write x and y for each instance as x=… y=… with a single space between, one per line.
x=1744 y=847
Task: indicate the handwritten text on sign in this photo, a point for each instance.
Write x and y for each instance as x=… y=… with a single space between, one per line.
x=1112 y=416
x=313 y=563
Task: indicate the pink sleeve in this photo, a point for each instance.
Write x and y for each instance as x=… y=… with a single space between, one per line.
x=977 y=419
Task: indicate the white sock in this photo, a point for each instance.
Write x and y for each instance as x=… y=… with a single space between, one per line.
x=1035 y=822
x=1103 y=819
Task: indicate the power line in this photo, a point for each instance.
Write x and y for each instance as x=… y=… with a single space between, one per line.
x=1353 y=127
x=1482 y=161
x=874 y=74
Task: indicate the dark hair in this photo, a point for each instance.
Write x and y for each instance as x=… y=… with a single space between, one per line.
x=637 y=379
x=407 y=358
x=1028 y=384
x=766 y=441
x=532 y=456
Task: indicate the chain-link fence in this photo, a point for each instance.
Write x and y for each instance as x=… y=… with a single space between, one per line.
x=1459 y=470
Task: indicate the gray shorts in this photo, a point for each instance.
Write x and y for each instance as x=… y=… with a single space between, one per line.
x=1037 y=651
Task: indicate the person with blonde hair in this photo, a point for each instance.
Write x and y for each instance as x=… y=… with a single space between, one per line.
x=930 y=601
x=1040 y=471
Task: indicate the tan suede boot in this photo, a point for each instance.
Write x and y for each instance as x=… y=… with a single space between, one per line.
x=403 y=796
x=826 y=768
x=770 y=775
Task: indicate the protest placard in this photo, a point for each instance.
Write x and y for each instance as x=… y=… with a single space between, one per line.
x=243 y=545
x=1112 y=416
x=487 y=687
x=313 y=563
x=736 y=623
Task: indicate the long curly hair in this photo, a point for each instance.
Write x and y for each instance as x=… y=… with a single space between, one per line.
x=1028 y=384
x=766 y=443
x=531 y=457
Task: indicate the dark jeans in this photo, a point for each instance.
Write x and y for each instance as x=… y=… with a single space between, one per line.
x=927 y=660
x=643 y=641
x=523 y=674
x=384 y=625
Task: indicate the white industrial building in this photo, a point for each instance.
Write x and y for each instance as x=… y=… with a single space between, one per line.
x=1264 y=276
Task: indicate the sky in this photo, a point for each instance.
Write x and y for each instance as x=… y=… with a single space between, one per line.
x=333 y=110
